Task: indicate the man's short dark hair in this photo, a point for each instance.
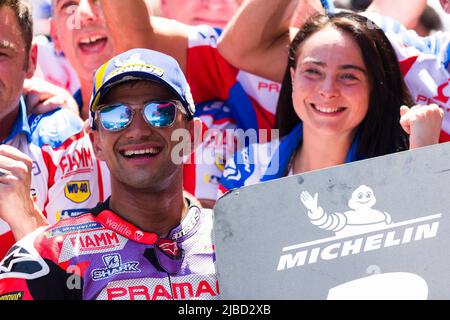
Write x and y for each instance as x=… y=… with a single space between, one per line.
x=22 y=10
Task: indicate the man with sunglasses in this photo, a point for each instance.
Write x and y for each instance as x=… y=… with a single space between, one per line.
x=148 y=240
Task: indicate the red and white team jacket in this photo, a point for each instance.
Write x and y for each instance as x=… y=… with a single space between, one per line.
x=66 y=177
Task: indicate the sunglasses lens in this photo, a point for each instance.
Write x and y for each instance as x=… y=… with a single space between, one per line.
x=160 y=113
x=115 y=117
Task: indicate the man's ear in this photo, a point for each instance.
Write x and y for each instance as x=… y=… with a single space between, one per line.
x=94 y=135
x=32 y=61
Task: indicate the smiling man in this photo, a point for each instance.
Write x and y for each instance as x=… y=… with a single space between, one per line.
x=78 y=29
x=148 y=240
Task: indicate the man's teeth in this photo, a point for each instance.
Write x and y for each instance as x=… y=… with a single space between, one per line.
x=91 y=39
x=141 y=152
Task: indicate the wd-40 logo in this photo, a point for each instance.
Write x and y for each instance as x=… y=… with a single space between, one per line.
x=77 y=191
x=113 y=265
x=358 y=230
x=13 y=296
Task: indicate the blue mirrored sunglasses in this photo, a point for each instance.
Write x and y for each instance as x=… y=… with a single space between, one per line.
x=157 y=113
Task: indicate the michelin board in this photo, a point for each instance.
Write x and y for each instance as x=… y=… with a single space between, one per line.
x=373 y=229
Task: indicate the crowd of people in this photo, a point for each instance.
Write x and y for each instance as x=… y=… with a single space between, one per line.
x=120 y=128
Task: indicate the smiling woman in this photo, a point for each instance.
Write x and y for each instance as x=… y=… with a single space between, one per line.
x=341 y=101
x=338 y=62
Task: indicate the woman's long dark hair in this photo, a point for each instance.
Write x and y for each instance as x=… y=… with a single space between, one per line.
x=380 y=132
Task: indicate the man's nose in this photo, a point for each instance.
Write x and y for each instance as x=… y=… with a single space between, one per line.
x=138 y=127
x=87 y=10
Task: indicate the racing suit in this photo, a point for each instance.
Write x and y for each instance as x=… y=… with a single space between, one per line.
x=98 y=255
x=66 y=177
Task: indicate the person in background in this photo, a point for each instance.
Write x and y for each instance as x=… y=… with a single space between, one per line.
x=233 y=98
x=78 y=30
x=215 y=13
x=429 y=22
x=424 y=62
x=52 y=148
x=342 y=99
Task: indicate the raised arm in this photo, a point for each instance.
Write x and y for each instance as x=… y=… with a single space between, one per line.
x=405 y=12
x=258 y=37
x=17 y=208
x=131 y=26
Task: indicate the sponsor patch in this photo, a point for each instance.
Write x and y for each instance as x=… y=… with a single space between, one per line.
x=220 y=162
x=22 y=263
x=94 y=241
x=134 y=63
x=188 y=223
x=36 y=170
x=91 y=242
x=69 y=213
x=210 y=178
x=12 y=296
x=169 y=247
x=198 y=287
x=77 y=162
x=73 y=228
x=34 y=194
x=113 y=265
x=77 y=191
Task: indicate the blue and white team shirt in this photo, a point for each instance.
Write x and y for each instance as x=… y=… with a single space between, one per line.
x=66 y=177
x=425 y=65
x=262 y=162
x=226 y=99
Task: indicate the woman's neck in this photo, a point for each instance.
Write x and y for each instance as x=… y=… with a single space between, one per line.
x=321 y=151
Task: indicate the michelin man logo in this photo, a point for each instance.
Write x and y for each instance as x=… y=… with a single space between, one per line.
x=361 y=219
